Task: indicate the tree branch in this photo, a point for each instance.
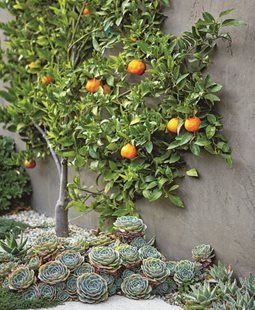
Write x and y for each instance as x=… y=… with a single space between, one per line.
x=54 y=155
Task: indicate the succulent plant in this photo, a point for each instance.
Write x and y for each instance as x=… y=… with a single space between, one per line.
x=103 y=257
x=91 y=288
x=228 y=289
x=201 y=297
x=63 y=296
x=221 y=273
x=34 y=262
x=171 y=265
x=30 y=293
x=14 y=246
x=203 y=254
x=241 y=302
x=129 y=224
x=6 y=268
x=118 y=283
x=184 y=271
x=147 y=251
x=110 y=280
x=71 y=285
x=164 y=288
x=78 y=246
x=70 y=258
x=21 y=278
x=128 y=272
x=128 y=254
x=5 y=257
x=155 y=270
x=248 y=285
x=102 y=239
x=46 y=244
x=84 y=268
x=136 y=287
x=46 y=291
x=138 y=242
x=60 y=285
x=53 y=272
x=5 y=283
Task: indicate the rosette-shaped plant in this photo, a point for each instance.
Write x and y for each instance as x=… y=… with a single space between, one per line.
x=84 y=268
x=53 y=272
x=31 y=293
x=102 y=239
x=164 y=288
x=71 y=285
x=60 y=285
x=6 y=268
x=46 y=291
x=184 y=271
x=130 y=224
x=147 y=251
x=138 y=242
x=155 y=270
x=203 y=254
x=5 y=283
x=91 y=288
x=21 y=278
x=171 y=265
x=63 y=296
x=78 y=246
x=46 y=244
x=112 y=288
x=105 y=258
x=136 y=287
x=71 y=259
x=34 y=262
x=128 y=254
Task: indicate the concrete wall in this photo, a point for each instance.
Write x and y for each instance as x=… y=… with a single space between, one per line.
x=220 y=205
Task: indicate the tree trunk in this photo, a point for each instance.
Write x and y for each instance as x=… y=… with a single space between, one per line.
x=61 y=214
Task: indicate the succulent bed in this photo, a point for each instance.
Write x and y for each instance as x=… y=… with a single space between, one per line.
x=122 y=262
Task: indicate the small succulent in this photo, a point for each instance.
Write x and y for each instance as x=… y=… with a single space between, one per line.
x=71 y=285
x=130 y=224
x=63 y=296
x=46 y=244
x=118 y=283
x=184 y=271
x=127 y=272
x=147 y=251
x=203 y=254
x=136 y=287
x=102 y=239
x=171 y=265
x=53 y=272
x=84 y=268
x=91 y=288
x=221 y=273
x=128 y=254
x=138 y=242
x=21 y=278
x=6 y=268
x=30 y=293
x=228 y=288
x=155 y=270
x=14 y=246
x=110 y=280
x=71 y=259
x=78 y=246
x=5 y=257
x=34 y=262
x=241 y=302
x=248 y=285
x=164 y=288
x=103 y=257
x=60 y=285
x=112 y=290
x=46 y=291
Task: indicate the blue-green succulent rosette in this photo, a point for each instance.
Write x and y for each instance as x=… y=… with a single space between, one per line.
x=92 y=288
x=155 y=270
x=129 y=255
x=53 y=272
x=147 y=251
x=138 y=242
x=84 y=268
x=46 y=291
x=105 y=258
x=21 y=278
x=184 y=271
x=63 y=296
x=71 y=285
x=171 y=265
x=164 y=288
x=129 y=224
x=136 y=287
x=34 y=262
x=31 y=293
x=71 y=259
x=203 y=254
x=45 y=244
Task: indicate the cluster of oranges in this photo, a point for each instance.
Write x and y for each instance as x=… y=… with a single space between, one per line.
x=191 y=124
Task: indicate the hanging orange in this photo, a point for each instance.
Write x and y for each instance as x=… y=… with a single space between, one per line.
x=47 y=79
x=136 y=66
x=192 y=124
x=29 y=164
x=133 y=39
x=86 y=11
x=128 y=151
x=93 y=85
x=173 y=124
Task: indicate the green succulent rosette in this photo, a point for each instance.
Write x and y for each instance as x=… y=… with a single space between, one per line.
x=63 y=296
x=91 y=288
x=84 y=268
x=71 y=259
x=164 y=288
x=71 y=286
x=21 y=278
x=171 y=265
x=203 y=253
x=60 y=285
x=155 y=270
x=129 y=224
x=128 y=254
x=128 y=272
x=184 y=271
x=53 y=272
x=45 y=244
x=106 y=258
x=147 y=251
x=136 y=287
x=138 y=242
x=103 y=239
x=34 y=262
x=46 y=291
x=78 y=246
x=31 y=293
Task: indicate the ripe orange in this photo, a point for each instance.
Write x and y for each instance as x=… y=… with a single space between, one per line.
x=86 y=11
x=173 y=124
x=133 y=39
x=136 y=66
x=29 y=164
x=47 y=79
x=93 y=85
x=106 y=89
x=128 y=151
x=192 y=124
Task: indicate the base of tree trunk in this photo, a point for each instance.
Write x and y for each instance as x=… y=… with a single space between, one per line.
x=61 y=218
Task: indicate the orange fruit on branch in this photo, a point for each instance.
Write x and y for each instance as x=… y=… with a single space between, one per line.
x=136 y=66
x=93 y=85
x=133 y=39
x=128 y=151
x=86 y=11
x=173 y=124
x=29 y=164
x=47 y=79
x=192 y=124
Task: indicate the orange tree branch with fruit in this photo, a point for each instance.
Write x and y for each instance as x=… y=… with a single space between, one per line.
x=114 y=93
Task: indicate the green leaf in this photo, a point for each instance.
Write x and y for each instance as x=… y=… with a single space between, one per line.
x=77 y=205
x=110 y=80
x=149 y=147
x=145 y=47
x=135 y=120
x=95 y=44
x=208 y=17
x=176 y=200
x=212 y=97
x=210 y=131
x=195 y=149
x=233 y=22
x=226 y=12
x=192 y=173
x=181 y=78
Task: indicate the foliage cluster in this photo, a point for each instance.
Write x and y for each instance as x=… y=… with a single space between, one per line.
x=8 y=226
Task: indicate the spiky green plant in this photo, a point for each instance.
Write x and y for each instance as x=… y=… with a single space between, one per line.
x=241 y=302
x=103 y=257
x=91 y=288
x=203 y=254
x=129 y=224
x=71 y=285
x=248 y=285
x=221 y=273
x=21 y=278
x=34 y=262
x=147 y=251
x=71 y=259
x=155 y=270
x=46 y=291
x=45 y=244
x=227 y=289
x=14 y=245
x=31 y=293
x=184 y=271
x=171 y=265
x=164 y=288
x=136 y=287
x=84 y=268
x=128 y=254
x=53 y=272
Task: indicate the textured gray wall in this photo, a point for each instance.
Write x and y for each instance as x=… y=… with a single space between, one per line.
x=220 y=205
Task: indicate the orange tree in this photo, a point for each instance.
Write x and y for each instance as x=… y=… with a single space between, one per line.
x=75 y=97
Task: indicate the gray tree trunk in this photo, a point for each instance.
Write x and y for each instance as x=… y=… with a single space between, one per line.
x=61 y=214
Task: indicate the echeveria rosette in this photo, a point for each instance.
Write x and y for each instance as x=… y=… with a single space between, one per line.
x=34 y=262
x=91 y=288
x=155 y=270
x=83 y=268
x=138 y=242
x=46 y=291
x=105 y=258
x=71 y=286
x=184 y=271
x=136 y=287
x=129 y=224
x=31 y=293
x=128 y=254
x=21 y=278
x=80 y=246
x=53 y=272
x=46 y=244
x=164 y=288
x=63 y=296
x=70 y=258
x=147 y=251
x=171 y=265
x=203 y=254
x=102 y=239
